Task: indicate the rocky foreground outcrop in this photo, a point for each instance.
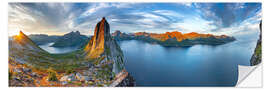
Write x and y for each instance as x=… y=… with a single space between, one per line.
x=257 y=55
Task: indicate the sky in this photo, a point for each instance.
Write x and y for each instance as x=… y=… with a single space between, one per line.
x=231 y=19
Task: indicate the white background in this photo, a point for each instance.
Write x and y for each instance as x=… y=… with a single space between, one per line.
x=4 y=45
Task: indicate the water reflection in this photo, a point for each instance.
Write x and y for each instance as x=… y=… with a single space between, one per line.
x=55 y=50
x=199 y=65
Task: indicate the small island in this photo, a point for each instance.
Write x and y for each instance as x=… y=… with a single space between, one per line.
x=175 y=38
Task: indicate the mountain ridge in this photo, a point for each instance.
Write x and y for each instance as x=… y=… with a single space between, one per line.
x=71 y=39
x=174 y=38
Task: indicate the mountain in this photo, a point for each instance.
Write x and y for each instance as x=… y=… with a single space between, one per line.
x=102 y=45
x=70 y=40
x=21 y=48
x=22 y=41
x=174 y=38
x=257 y=55
x=107 y=52
x=40 y=39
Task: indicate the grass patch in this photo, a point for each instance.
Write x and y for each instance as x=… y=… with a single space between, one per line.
x=52 y=75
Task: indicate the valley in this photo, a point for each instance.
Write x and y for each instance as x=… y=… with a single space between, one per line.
x=29 y=65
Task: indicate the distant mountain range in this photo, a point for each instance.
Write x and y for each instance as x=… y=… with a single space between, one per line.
x=68 y=40
x=174 y=38
x=40 y=39
x=71 y=39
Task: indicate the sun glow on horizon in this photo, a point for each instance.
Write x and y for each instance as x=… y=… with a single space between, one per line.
x=13 y=32
x=16 y=32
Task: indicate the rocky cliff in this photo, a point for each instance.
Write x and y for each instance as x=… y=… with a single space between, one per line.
x=103 y=47
x=257 y=55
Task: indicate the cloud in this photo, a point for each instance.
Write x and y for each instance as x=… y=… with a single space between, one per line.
x=48 y=18
x=227 y=14
x=93 y=8
x=61 y=18
x=187 y=4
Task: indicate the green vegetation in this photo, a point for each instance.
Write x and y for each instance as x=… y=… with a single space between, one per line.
x=98 y=60
x=258 y=55
x=9 y=75
x=70 y=70
x=52 y=75
x=258 y=50
x=100 y=85
x=79 y=83
x=91 y=83
x=58 y=62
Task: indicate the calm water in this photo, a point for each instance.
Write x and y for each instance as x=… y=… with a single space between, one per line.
x=57 y=50
x=199 y=65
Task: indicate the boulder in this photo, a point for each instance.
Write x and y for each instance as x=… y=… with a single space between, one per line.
x=17 y=70
x=64 y=78
x=82 y=78
x=70 y=77
x=26 y=69
x=64 y=82
x=79 y=76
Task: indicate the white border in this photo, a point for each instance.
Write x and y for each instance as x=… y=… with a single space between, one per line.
x=4 y=42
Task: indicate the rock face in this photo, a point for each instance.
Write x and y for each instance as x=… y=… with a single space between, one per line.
x=103 y=46
x=129 y=81
x=257 y=55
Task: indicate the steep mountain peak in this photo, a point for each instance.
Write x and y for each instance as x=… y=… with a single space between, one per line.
x=22 y=41
x=103 y=46
x=21 y=35
x=96 y=44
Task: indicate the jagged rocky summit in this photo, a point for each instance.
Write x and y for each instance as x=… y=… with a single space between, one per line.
x=103 y=47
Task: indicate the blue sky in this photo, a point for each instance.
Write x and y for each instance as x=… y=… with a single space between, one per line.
x=60 y=18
